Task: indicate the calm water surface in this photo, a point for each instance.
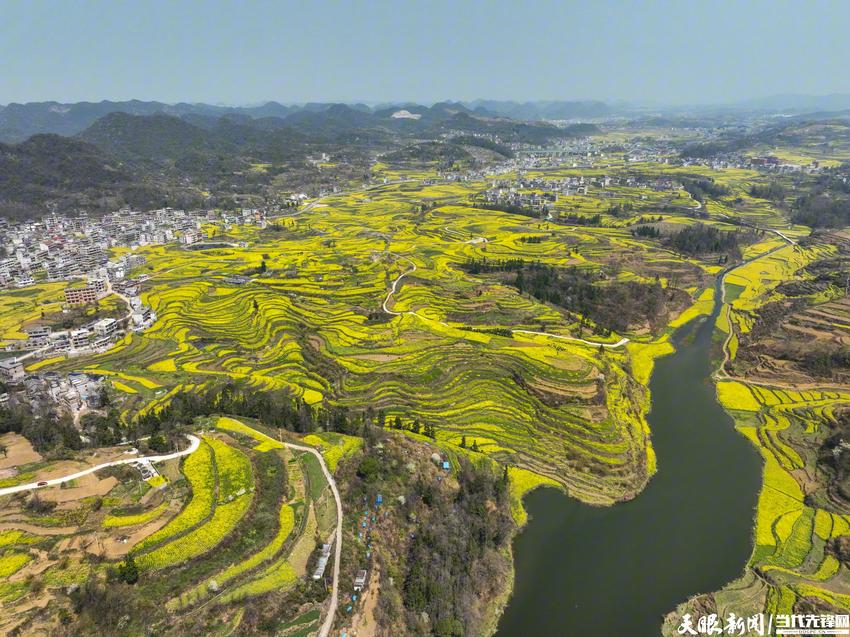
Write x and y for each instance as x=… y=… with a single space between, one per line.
x=615 y=571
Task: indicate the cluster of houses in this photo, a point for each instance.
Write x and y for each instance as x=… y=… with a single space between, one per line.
x=529 y=199
x=58 y=247
x=775 y=164
x=75 y=248
x=565 y=186
x=94 y=336
x=99 y=333
x=762 y=163
x=540 y=195
x=69 y=392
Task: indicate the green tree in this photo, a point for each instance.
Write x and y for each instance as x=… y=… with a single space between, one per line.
x=369 y=469
x=157 y=442
x=128 y=571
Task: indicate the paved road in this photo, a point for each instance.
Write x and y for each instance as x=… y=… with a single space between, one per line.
x=575 y=339
x=779 y=234
x=193 y=440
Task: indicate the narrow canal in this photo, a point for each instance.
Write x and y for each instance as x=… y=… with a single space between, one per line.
x=615 y=571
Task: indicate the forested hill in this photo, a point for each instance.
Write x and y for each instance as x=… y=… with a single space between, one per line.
x=148 y=137
x=48 y=168
x=20 y=121
x=151 y=154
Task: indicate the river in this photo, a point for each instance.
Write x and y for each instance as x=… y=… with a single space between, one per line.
x=616 y=571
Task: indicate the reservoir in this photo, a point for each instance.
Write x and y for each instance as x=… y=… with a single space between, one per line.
x=583 y=570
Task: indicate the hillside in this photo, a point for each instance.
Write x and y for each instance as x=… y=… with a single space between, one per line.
x=152 y=137
x=51 y=168
x=173 y=141
x=426 y=153
x=146 y=153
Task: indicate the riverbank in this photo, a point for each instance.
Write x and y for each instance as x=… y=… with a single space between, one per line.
x=618 y=570
x=789 y=413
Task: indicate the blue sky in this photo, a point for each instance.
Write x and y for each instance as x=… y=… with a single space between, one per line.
x=247 y=52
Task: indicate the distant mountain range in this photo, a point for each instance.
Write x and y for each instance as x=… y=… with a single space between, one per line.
x=544 y=110
x=149 y=153
x=160 y=136
x=20 y=121
x=799 y=103
x=101 y=155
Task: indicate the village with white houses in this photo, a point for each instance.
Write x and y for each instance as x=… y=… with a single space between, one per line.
x=102 y=300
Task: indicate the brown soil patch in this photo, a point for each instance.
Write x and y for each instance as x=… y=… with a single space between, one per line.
x=153 y=497
x=170 y=470
x=114 y=544
x=363 y=623
x=85 y=542
x=19 y=451
x=60 y=469
x=34 y=567
x=380 y=358
x=88 y=486
x=38 y=530
x=585 y=391
x=16 y=621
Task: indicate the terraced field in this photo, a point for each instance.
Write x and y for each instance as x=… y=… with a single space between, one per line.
x=238 y=524
x=795 y=519
x=364 y=301
x=314 y=323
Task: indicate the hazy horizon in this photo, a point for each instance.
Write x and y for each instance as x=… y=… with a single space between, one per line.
x=663 y=53
x=429 y=102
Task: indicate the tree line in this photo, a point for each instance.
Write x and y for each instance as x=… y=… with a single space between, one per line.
x=702 y=188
